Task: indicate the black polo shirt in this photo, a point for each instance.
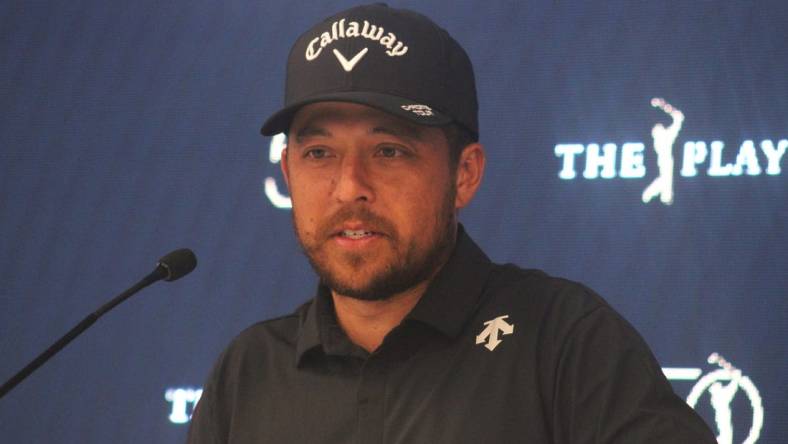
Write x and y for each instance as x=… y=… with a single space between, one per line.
x=490 y=354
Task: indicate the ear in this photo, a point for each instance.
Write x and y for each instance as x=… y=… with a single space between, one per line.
x=283 y=166
x=470 y=170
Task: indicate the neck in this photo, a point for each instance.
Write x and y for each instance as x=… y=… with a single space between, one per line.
x=367 y=322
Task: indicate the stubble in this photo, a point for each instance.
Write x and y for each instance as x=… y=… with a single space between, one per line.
x=410 y=265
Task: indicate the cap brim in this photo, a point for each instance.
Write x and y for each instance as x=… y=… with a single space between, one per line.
x=408 y=109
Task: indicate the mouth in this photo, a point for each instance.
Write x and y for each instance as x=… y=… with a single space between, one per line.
x=356 y=234
x=358 y=229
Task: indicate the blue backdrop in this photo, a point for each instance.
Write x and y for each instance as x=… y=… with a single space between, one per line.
x=129 y=129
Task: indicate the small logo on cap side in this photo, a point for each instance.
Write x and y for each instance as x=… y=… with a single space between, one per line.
x=419 y=110
x=348 y=65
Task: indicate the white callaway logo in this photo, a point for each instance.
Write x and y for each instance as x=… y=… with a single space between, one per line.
x=342 y=29
x=348 y=65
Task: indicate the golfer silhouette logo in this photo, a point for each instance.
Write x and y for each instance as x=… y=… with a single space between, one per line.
x=723 y=385
x=664 y=137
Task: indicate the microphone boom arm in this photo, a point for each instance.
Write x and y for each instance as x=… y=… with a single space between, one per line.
x=170 y=267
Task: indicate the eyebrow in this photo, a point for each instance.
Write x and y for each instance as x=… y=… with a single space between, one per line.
x=397 y=130
x=311 y=131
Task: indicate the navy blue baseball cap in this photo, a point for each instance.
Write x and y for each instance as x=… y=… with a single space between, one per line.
x=396 y=60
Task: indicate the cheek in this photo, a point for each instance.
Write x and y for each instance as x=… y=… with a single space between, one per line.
x=307 y=191
x=421 y=202
x=307 y=208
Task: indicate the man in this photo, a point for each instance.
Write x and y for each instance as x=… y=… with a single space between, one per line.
x=414 y=336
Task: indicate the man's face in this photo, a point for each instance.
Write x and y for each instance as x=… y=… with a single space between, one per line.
x=373 y=198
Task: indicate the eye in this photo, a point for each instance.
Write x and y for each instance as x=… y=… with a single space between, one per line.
x=316 y=153
x=390 y=151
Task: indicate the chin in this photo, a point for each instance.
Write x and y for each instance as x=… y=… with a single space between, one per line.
x=374 y=288
x=363 y=294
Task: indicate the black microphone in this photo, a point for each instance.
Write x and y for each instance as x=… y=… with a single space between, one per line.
x=177 y=264
x=173 y=266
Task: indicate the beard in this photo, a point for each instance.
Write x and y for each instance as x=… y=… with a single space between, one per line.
x=410 y=265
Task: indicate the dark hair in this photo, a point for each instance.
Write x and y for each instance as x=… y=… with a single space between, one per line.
x=458 y=137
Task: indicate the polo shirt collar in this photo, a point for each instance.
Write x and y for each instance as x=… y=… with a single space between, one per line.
x=454 y=294
x=448 y=303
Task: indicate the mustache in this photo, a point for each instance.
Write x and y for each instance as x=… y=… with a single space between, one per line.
x=365 y=216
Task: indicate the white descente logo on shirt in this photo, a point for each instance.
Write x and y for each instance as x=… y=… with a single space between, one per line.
x=494 y=328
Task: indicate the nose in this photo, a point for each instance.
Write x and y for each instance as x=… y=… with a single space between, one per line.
x=353 y=181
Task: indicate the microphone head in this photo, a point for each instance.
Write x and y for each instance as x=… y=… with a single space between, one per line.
x=177 y=264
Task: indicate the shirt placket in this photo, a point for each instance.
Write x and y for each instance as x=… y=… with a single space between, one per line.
x=371 y=400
